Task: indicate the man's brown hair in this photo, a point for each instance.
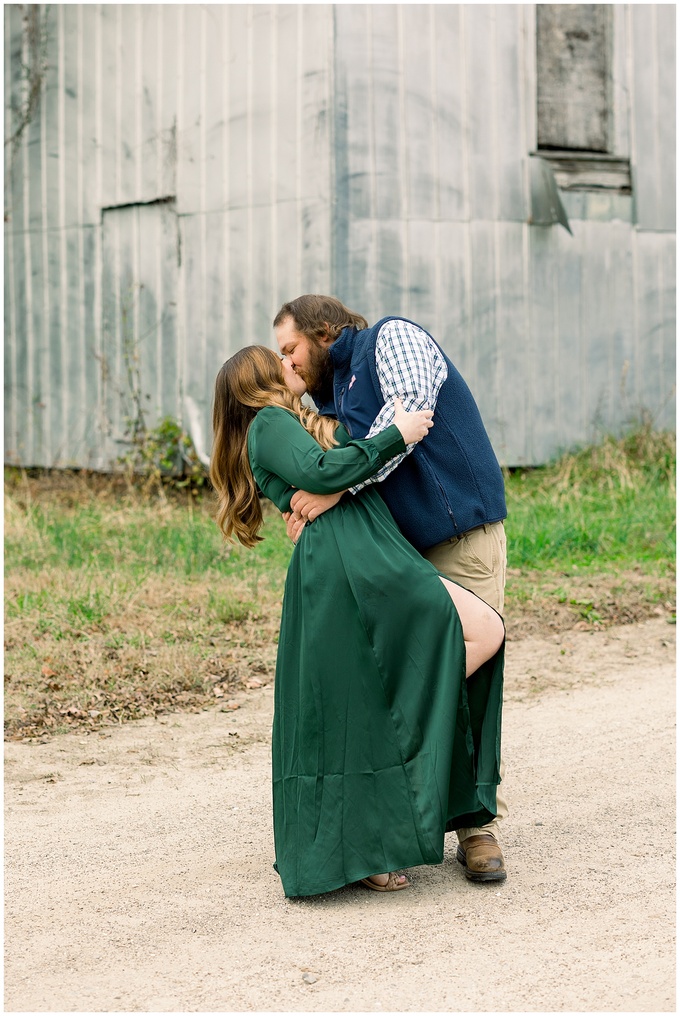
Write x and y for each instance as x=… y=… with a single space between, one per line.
x=317 y=316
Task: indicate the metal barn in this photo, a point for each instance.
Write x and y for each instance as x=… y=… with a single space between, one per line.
x=503 y=174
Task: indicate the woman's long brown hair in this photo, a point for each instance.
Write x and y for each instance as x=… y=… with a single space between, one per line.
x=248 y=381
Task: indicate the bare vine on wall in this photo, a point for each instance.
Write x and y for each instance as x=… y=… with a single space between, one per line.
x=26 y=102
x=158 y=455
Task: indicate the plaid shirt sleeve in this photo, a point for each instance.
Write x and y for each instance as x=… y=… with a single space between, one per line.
x=409 y=366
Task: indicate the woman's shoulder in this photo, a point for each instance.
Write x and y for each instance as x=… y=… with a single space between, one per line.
x=273 y=414
x=268 y=410
x=269 y=418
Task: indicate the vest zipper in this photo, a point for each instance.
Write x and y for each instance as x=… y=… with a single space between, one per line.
x=446 y=500
x=340 y=398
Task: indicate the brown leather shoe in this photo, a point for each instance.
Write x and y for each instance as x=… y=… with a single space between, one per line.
x=483 y=859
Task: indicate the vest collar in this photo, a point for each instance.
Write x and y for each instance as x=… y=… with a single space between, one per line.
x=343 y=347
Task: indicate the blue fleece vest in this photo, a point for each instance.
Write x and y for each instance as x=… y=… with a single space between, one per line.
x=451 y=481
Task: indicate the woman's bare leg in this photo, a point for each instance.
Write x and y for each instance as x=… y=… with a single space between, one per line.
x=482 y=627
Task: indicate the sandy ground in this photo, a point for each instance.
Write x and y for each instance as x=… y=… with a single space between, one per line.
x=139 y=864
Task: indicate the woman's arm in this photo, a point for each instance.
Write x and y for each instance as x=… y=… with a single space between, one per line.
x=279 y=444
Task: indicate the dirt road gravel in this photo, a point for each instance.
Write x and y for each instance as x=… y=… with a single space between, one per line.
x=139 y=864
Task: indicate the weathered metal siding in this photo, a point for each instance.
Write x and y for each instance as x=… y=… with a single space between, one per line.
x=190 y=167
x=172 y=191
x=560 y=337
x=651 y=31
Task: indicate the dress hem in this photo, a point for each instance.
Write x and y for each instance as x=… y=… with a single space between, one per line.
x=364 y=874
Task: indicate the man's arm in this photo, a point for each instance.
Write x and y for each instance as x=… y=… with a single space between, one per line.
x=410 y=367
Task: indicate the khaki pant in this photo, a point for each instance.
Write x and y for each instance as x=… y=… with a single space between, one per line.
x=477 y=561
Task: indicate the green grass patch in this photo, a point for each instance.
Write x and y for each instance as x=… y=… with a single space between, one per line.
x=121 y=605
x=610 y=505
x=591 y=537
x=137 y=539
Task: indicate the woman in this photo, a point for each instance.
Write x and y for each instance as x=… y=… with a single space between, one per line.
x=379 y=743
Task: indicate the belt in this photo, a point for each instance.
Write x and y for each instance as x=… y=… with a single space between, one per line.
x=486 y=526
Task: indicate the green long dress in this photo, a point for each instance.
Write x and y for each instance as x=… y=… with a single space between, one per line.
x=379 y=745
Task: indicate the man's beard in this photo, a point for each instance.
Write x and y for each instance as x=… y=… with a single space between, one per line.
x=319 y=376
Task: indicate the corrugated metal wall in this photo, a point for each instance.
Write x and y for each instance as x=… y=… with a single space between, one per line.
x=172 y=191
x=192 y=166
x=560 y=337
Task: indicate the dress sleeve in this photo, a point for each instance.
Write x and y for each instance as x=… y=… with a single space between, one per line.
x=278 y=444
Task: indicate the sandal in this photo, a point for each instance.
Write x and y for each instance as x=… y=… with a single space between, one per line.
x=392 y=885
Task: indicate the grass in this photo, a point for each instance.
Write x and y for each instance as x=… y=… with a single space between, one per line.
x=591 y=537
x=120 y=605
x=612 y=504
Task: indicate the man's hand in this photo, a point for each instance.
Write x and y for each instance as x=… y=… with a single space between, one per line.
x=294 y=525
x=310 y=506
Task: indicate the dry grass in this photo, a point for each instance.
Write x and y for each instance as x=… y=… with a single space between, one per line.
x=541 y=603
x=121 y=605
x=133 y=652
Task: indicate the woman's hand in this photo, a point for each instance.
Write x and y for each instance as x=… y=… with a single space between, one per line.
x=310 y=506
x=413 y=426
x=294 y=525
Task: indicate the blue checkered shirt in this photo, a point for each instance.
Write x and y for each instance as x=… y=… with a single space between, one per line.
x=411 y=367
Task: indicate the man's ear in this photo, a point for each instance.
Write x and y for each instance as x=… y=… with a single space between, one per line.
x=326 y=339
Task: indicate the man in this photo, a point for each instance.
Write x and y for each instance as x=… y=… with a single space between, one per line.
x=446 y=494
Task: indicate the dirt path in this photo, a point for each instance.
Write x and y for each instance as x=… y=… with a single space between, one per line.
x=139 y=877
